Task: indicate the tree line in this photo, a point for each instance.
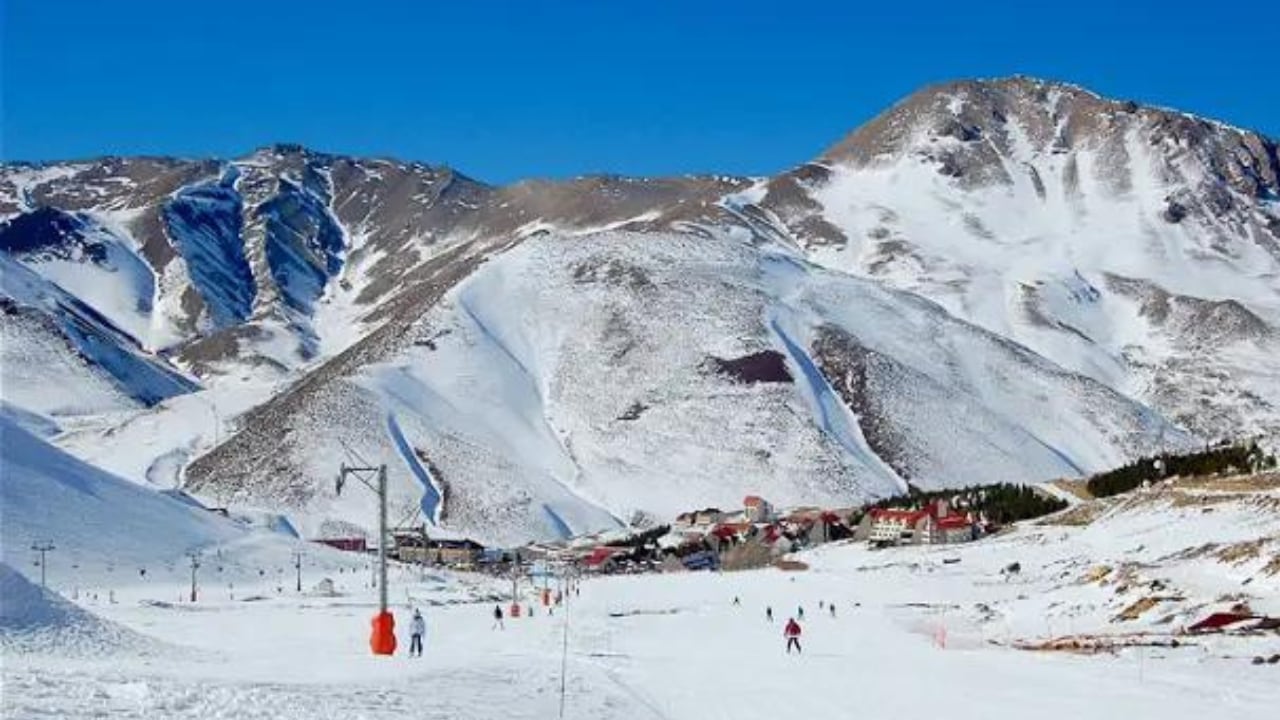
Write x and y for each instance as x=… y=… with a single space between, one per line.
x=999 y=503
x=1222 y=459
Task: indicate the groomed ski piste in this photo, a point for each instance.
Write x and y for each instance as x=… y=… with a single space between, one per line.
x=669 y=646
x=917 y=631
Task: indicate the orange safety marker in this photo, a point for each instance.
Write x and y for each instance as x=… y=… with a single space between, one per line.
x=383 y=639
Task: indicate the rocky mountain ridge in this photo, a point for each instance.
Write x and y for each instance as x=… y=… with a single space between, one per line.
x=1012 y=278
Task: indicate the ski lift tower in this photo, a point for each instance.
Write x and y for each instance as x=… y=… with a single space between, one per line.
x=383 y=639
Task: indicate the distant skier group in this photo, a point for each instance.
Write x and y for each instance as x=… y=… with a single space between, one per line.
x=792 y=630
x=418 y=624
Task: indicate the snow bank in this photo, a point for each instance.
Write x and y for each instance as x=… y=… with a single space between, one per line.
x=34 y=620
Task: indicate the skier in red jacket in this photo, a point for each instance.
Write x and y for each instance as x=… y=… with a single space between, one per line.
x=792 y=633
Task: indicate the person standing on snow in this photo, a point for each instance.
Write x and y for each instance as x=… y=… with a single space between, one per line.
x=800 y=612
x=832 y=606
x=792 y=634
x=417 y=629
x=768 y=614
x=497 y=618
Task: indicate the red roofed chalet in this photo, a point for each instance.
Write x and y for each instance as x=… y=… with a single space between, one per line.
x=936 y=524
x=731 y=531
x=758 y=509
x=894 y=526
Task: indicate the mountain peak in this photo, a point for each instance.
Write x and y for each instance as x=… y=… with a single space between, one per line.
x=977 y=130
x=1002 y=84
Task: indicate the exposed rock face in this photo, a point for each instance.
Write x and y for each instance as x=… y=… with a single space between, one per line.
x=768 y=366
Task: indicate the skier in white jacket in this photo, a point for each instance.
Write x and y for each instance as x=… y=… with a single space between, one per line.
x=417 y=629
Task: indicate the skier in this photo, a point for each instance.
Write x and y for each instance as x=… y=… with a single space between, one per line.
x=736 y=601
x=800 y=612
x=832 y=606
x=822 y=604
x=417 y=628
x=768 y=614
x=792 y=634
x=497 y=618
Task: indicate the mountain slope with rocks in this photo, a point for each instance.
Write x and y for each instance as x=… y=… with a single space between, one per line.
x=994 y=280
x=617 y=391
x=1135 y=245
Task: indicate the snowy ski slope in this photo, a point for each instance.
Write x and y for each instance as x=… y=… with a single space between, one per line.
x=915 y=630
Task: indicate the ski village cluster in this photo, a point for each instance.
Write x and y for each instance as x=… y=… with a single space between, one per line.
x=755 y=535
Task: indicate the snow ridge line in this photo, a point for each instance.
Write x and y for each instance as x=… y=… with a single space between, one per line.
x=432 y=502
x=826 y=403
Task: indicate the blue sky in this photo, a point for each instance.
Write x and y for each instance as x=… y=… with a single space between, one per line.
x=503 y=90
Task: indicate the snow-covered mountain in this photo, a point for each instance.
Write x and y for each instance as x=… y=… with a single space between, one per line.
x=572 y=379
x=995 y=280
x=1135 y=245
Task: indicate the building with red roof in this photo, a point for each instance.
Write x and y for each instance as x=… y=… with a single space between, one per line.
x=890 y=526
x=953 y=529
x=757 y=508
x=349 y=544
x=732 y=531
x=937 y=523
x=1220 y=621
x=600 y=559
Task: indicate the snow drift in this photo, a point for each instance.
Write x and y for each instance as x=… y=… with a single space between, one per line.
x=35 y=620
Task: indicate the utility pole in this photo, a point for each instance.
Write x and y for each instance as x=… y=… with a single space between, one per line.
x=195 y=565
x=382 y=538
x=297 y=565
x=43 y=548
x=564 y=648
x=422 y=558
x=383 y=640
